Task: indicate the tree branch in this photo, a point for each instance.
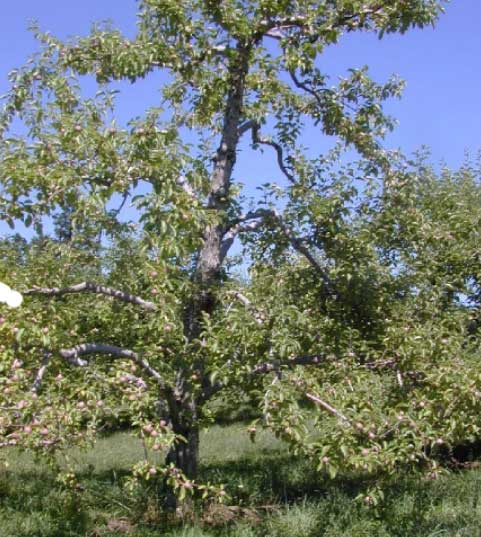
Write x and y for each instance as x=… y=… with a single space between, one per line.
x=87 y=287
x=257 y=139
x=237 y=227
x=73 y=354
x=37 y=383
x=276 y=27
x=326 y=406
x=234 y=230
x=258 y=316
x=276 y=365
x=184 y=184
x=298 y=245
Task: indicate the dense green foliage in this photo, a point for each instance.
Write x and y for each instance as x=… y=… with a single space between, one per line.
x=360 y=310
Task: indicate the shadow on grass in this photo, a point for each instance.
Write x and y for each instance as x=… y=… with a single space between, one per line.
x=288 y=497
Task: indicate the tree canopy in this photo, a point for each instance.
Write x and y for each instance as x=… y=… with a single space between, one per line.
x=354 y=332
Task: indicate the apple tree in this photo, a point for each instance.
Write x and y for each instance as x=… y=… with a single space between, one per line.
x=129 y=294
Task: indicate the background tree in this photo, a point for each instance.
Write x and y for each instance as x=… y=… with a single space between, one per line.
x=237 y=71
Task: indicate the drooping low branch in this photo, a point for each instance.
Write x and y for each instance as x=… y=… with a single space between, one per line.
x=88 y=287
x=73 y=356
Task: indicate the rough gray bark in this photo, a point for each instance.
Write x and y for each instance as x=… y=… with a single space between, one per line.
x=185 y=455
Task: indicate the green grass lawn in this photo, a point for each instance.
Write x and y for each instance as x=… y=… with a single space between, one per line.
x=273 y=494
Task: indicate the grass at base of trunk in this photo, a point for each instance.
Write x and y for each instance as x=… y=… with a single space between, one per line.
x=273 y=495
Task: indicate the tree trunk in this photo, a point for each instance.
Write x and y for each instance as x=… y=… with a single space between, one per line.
x=185 y=455
x=184 y=411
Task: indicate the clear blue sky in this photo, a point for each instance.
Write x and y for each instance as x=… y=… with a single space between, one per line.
x=441 y=105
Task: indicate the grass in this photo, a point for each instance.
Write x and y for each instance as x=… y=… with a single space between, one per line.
x=273 y=494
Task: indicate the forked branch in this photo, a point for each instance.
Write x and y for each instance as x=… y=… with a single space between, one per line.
x=261 y=217
x=73 y=356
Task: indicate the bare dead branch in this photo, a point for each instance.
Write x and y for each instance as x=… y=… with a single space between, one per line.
x=88 y=287
x=326 y=406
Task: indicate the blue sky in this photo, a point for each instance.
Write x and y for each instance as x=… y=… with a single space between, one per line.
x=442 y=66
